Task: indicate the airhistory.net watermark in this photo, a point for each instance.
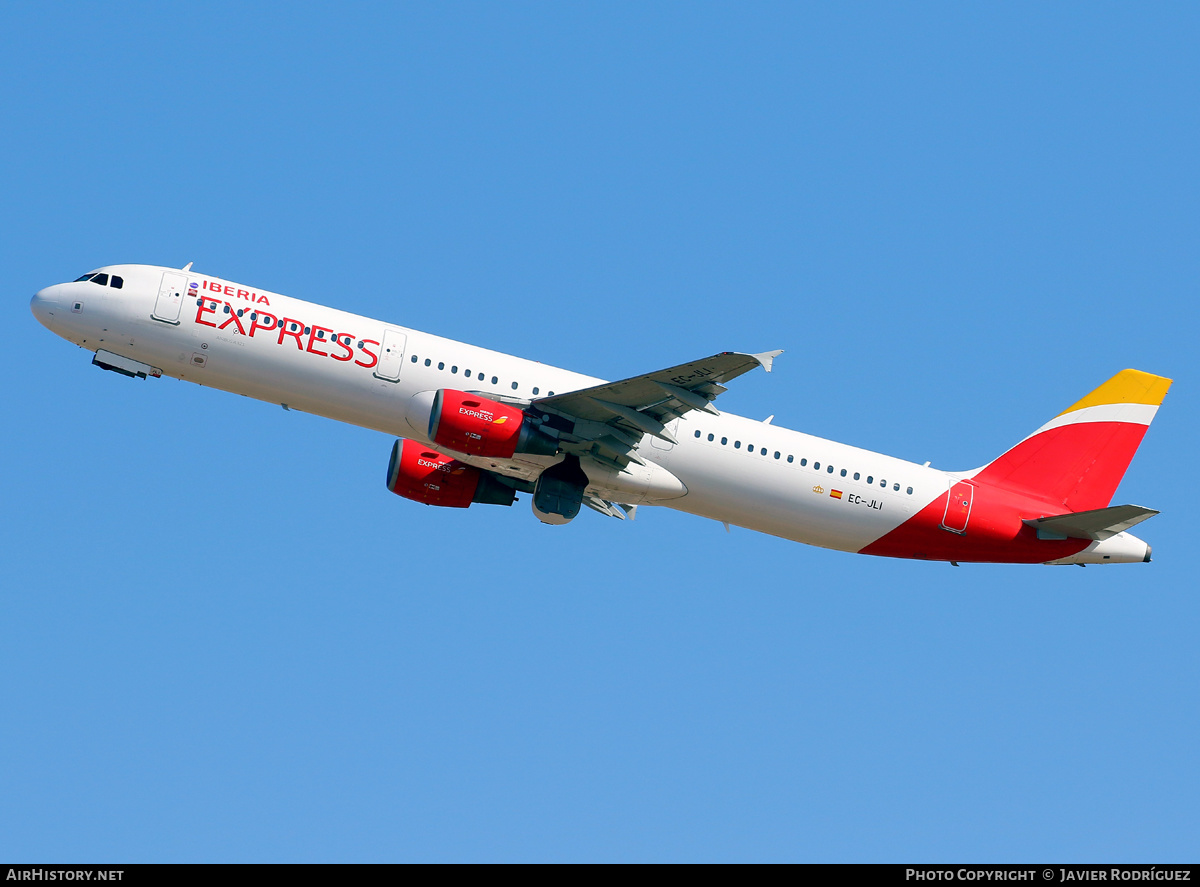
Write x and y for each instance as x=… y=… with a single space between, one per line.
x=40 y=873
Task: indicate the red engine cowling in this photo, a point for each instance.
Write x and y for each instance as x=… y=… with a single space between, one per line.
x=424 y=475
x=468 y=423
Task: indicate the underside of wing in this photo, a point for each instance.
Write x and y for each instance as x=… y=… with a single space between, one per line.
x=607 y=421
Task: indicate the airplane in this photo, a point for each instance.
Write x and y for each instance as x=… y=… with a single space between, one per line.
x=478 y=426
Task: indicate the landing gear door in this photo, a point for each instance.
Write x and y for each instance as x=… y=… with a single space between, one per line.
x=391 y=355
x=170 y=297
x=958 y=507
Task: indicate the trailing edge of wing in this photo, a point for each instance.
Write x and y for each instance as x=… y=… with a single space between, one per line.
x=1097 y=524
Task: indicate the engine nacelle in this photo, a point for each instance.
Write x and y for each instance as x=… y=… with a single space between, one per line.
x=424 y=475
x=468 y=423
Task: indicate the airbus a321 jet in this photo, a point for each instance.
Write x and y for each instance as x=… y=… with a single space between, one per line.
x=478 y=426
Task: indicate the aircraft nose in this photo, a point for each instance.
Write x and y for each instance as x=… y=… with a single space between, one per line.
x=46 y=303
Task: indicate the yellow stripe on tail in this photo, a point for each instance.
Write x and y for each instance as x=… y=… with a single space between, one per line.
x=1127 y=386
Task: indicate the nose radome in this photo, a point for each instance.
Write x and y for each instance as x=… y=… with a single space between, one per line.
x=45 y=303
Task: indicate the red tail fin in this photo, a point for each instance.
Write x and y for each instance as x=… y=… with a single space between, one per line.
x=1077 y=458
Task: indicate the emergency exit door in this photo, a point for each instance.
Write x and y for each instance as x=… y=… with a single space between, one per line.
x=958 y=507
x=391 y=354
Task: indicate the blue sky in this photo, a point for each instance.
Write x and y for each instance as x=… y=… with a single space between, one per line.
x=223 y=638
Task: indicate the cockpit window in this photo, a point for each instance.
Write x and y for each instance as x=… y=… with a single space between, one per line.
x=101 y=279
x=85 y=277
x=117 y=282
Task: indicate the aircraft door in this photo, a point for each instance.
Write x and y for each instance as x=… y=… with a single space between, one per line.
x=170 y=297
x=958 y=507
x=659 y=444
x=391 y=355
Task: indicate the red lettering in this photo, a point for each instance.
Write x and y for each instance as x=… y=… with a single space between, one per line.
x=340 y=341
x=286 y=322
x=255 y=323
x=262 y=300
x=243 y=294
x=228 y=290
x=233 y=318
x=374 y=357
x=204 y=309
x=313 y=338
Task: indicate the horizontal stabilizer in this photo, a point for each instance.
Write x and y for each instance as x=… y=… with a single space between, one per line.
x=1098 y=524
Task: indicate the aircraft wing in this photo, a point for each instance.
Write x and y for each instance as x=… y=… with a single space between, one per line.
x=607 y=421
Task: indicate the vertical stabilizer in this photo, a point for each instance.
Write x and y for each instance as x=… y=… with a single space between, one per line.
x=1077 y=458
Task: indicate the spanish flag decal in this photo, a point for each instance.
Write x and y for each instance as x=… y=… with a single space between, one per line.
x=835 y=494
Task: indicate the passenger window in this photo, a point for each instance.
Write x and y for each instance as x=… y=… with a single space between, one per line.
x=226 y=309
x=496 y=381
x=829 y=468
x=467 y=373
x=117 y=282
x=764 y=452
x=910 y=491
x=101 y=279
x=306 y=329
x=428 y=362
x=241 y=311
x=790 y=458
x=514 y=386
x=737 y=444
x=896 y=487
x=697 y=433
x=803 y=462
x=535 y=389
x=441 y=366
x=777 y=454
x=843 y=472
x=724 y=441
x=710 y=437
x=454 y=369
x=550 y=394
x=883 y=483
x=816 y=466
x=857 y=475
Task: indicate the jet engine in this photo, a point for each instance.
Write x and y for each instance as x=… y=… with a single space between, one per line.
x=424 y=475
x=469 y=423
